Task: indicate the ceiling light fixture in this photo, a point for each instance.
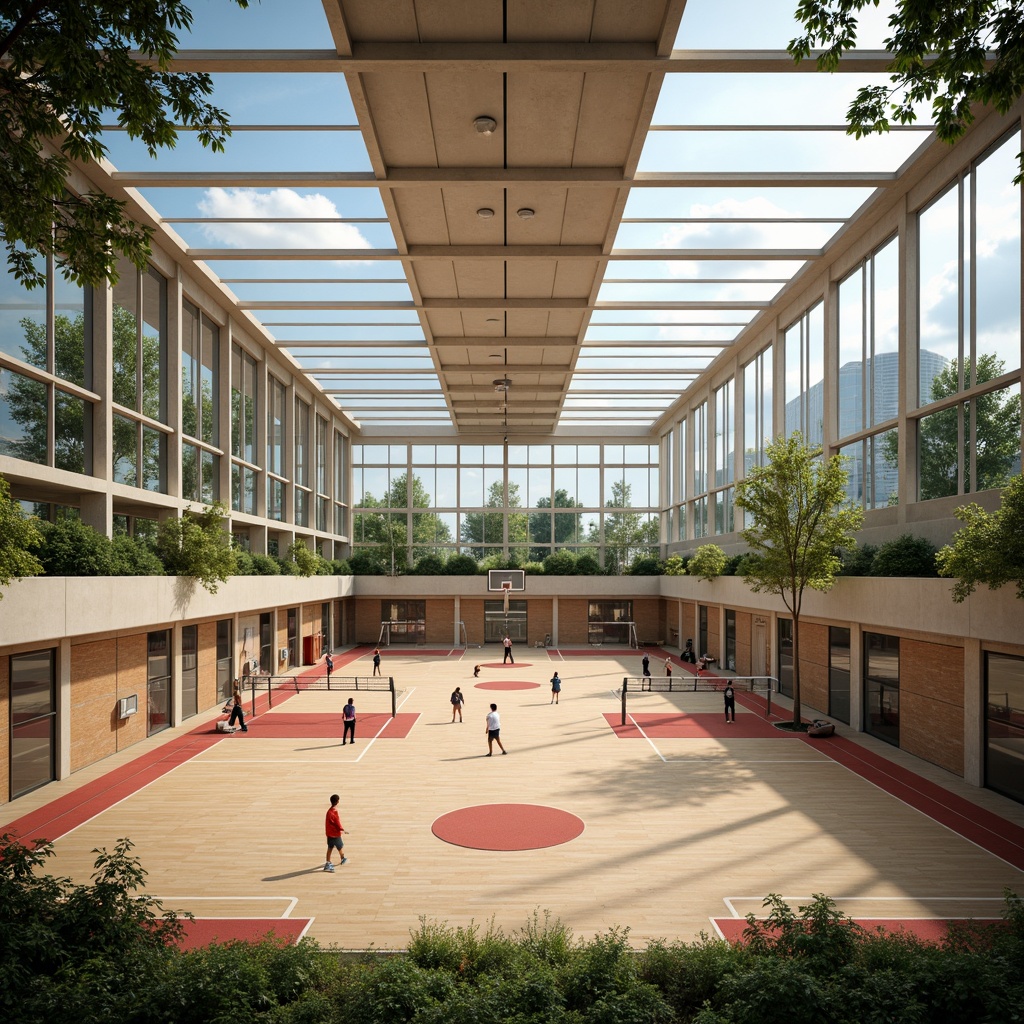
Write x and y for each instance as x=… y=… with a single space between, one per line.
x=485 y=124
x=485 y=213
x=502 y=384
x=525 y=213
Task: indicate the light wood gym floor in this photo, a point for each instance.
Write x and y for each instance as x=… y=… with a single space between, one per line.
x=678 y=832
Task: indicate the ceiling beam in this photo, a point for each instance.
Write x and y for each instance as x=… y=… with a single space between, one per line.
x=497 y=58
x=435 y=305
x=449 y=253
x=451 y=177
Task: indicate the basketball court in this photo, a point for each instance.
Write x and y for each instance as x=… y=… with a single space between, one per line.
x=673 y=824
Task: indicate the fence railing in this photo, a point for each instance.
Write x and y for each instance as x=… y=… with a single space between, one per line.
x=258 y=685
x=758 y=685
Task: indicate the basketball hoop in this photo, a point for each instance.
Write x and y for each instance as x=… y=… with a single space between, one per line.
x=506 y=589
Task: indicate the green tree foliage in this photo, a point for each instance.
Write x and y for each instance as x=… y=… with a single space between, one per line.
x=858 y=562
x=675 y=565
x=131 y=556
x=989 y=549
x=264 y=565
x=19 y=534
x=308 y=562
x=66 y=66
x=388 y=528
x=198 y=545
x=429 y=565
x=707 y=562
x=561 y=563
x=587 y=565
x=799 y=518
x=645 y=565
x=940 y=50
x=71 y=548
x=87 y=952
x=907 y=555
x=486 y=528
x=567 y=524
x=461 y=565
x=626 y=533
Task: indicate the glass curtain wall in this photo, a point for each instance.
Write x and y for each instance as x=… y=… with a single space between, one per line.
x=839 y=673
x=805 y=375
x=189 y=671
x=1004 y=724
x=277 y=469
x=869 y=377
x=882 y=686
x=200 y=406
x=33 y=721
x=244 y=468
x=158 y=680
x=969 y=256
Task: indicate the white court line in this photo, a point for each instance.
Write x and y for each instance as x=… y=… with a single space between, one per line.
x=728 y=901
x=292 y=901
x=730 y=759
x=387 y=722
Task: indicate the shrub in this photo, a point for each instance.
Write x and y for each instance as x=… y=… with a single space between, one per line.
x=286 y=567
x=197 y=545
x=366 y=563
x=707 y=562
x=645 y=565
x=340 y=567
x=561 y=563
x=19 y=534
x=429 y=565
x=732 y=565
x=857 y=561
x=243 y=563
x=70 y=548
x=588 y=565
x=306 y=562
x=675 y=565
x=264 y=565
x=907 y=555
x=131 y=556
x=461 y=565
x=533 y=568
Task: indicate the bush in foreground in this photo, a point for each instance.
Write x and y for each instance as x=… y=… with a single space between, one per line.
x=105 y=952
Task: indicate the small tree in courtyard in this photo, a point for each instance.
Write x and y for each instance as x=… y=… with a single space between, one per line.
x=990 y=547
x=198 y=545
x=707 y=563
x=797 y=519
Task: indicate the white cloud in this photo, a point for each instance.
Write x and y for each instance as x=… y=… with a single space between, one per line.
x=280 y=202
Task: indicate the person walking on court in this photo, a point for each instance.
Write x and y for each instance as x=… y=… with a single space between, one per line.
x=507 y=643
x=334 y=833
x=494 y=731
x=348 y=715
x=556 y=688
x=668 y=667
x=646 y=664
x=237 y=711
x=329 y=662
x=376 y=661
x=476 y=671
x=457 y=699
x=730 y=702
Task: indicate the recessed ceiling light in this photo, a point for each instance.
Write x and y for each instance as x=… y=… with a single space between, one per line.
x=485 y=213
x=493 y=320
x=494 y=355
x=524 y=213
x=485 y=124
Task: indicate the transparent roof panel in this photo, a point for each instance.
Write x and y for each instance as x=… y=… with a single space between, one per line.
x=785 y=201
x=268 y=24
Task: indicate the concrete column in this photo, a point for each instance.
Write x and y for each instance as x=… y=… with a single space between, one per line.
x=63 y=727
x=856 y=677
x=974 y=713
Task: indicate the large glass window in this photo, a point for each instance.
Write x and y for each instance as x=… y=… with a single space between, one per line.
x=882 y=686
x=244 y=471
x=158 y=680
x=200 y=404
x=224 y=659
x=41 y=421
x=757 y=409
x=323 y=497
x=839 y=673
x=805 y=375
x=189 y=671
x=1004 y=724
x=869 y=376
x=140 y=377
x=969 y=253
x=33 y=720
x=300 y=471
x=699 y=455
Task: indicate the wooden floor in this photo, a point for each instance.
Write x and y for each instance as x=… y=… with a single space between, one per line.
x=678 y=831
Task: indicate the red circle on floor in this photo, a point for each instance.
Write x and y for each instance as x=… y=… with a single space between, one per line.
x=507 y=827
x=501 y=664
x=507 y=684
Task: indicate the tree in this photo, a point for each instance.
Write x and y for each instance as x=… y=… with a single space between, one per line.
x=198 y=545
x=626 y=533
x=990 y=547
x=487 y=527
x=66 y=66
x=308 y=561
x=907 y=555
x=71 y=548
x=940 y=54
x=707 y=562
x=798 y=516
x=566 y=524
x=18 y=535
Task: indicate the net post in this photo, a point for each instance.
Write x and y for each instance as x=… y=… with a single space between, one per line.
x=625 y=681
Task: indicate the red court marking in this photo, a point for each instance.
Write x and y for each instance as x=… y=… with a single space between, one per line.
x=674 y=725
x=507 y=827
x=307 y=726
x=500 y=664
x=926 y=929
x=507 y=684
x=204 y=930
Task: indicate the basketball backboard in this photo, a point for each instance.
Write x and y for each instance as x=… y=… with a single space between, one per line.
x=515 y=577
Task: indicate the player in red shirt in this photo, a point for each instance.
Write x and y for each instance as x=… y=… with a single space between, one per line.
x=334 y=831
